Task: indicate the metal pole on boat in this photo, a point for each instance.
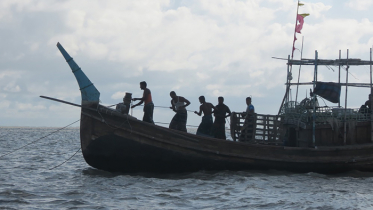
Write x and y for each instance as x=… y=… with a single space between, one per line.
x=314 y=101
x=300 y=66
x=288 y=81
x=371 y=98
x=345 y=124
x=286 y=92
x=339 y=75
x=370 y=70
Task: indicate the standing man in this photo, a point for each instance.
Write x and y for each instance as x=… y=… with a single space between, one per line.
x=204 y=129
x=149 y=106
x=178 y=104
x=221 y=112
x=247 y=128
x=250 y=108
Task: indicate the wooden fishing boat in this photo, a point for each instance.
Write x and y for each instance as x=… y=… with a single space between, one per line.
x=291 y=140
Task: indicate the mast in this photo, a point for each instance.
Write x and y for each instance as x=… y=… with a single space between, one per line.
x=296 y=21
x=289 y=69
x=371 y=98
x=314 y=101
x=370 y=70
x=287 y=87
x=345 y=125
x=300 y=66
x=339 y=75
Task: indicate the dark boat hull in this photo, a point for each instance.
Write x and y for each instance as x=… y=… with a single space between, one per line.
x=119 y=144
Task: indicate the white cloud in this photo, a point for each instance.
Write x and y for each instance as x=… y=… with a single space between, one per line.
x=118 y=95
x=29 y=107
x=14 y=74
x=315 y=9
x=359 y=4
x=4 y=104
x=12 y=87
x=209 y=47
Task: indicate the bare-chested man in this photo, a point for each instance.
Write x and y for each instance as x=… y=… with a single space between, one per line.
x=221 y=112
x=206 y=108
x=178 y=104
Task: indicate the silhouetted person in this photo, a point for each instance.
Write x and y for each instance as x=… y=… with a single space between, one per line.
x=249 y=120
x=205 y=127
x=149 y=106
x=221 y=112
x=124 y=107
x=178 y=104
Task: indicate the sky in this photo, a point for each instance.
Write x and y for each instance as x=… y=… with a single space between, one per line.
x=193 y=47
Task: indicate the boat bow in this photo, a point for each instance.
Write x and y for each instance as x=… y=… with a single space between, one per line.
x=90 y=95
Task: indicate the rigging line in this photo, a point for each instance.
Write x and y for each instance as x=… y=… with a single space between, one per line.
x=350 y=73
x=65 y=160
x=165 y=107
x=38 y=139
x=329 y=67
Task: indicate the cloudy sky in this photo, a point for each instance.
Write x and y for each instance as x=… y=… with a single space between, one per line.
x=194 y=47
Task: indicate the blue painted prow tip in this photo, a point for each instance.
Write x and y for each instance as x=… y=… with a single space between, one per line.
x=90 y=94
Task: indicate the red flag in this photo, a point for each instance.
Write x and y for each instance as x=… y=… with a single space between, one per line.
x=300 y=19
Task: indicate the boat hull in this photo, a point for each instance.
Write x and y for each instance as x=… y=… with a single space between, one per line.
x=119 y=144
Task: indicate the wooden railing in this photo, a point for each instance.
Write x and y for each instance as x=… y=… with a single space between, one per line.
x=256 y=128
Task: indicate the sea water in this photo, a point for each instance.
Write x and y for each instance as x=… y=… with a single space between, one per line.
x=29 y=179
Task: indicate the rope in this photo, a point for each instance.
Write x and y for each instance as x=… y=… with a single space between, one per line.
x=169 y=123
x=103 y=119
x=164 y=107
x=38 y=139
x=65 y=160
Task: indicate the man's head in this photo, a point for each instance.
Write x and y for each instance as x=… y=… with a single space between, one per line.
x=248 y=100
x=172 y=94
x=142 y=85
x=220 y=100
x=202 y=99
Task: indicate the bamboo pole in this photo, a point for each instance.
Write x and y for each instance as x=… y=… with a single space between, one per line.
x=296 y=21
x=371 y=98
x=371 y=70
x=292 y=49
x=314 y=101
x=287 y=87
x=339 y=75
x=300 y=66
x=345 y=123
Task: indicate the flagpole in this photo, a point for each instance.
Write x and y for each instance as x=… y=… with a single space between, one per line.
x=292 y=55
x=296 y=21
x=300 y=66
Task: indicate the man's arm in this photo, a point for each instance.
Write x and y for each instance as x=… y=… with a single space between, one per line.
x=200 y=111
x=145 y=94
x=182 y=99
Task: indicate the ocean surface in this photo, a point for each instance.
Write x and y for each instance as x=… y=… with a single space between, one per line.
x=33 y=178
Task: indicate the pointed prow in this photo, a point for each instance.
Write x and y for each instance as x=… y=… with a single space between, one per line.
x=90 y=94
